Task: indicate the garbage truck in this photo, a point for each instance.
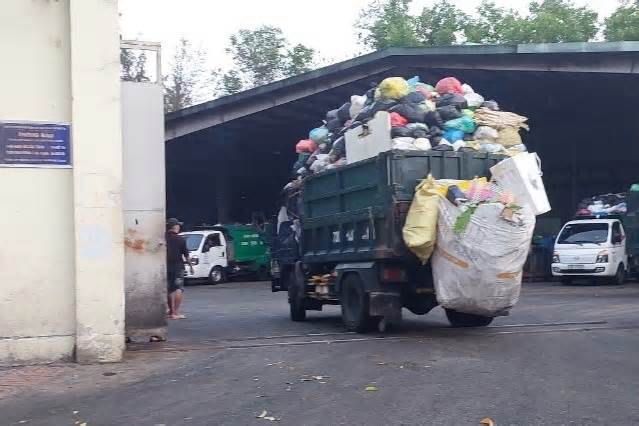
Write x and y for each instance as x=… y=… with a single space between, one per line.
x=222 y=252
x=338 y=240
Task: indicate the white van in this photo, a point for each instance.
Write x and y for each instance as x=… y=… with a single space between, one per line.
x=591 y=248
x=209 y=255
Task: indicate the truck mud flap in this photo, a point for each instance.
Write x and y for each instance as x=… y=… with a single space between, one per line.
x=387 y=305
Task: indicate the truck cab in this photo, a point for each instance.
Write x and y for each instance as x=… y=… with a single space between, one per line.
x=594 y=248
x=209 y=255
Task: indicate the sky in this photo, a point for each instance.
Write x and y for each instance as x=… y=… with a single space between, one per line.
x=325 y=25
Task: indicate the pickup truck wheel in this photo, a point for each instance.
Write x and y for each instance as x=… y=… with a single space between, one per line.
x=296 y=286
x=217 y=276
x=355 y=304
x=459 y=319
x=620 y=276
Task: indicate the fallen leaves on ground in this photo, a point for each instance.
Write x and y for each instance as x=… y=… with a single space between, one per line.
x=264 y=416
x=371 y=388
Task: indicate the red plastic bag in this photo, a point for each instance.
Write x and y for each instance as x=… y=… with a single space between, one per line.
x=397 y=120
x=305 y=145
x=449 y=85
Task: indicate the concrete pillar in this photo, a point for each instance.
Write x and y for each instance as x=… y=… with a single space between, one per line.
x=97 y=180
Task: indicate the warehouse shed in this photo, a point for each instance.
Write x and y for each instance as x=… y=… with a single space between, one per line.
x=230 y=157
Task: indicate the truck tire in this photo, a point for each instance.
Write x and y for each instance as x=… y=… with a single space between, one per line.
x=217 y=275
x=296 y=290
x=459 y=319
x=355 y=304
x=620 y=276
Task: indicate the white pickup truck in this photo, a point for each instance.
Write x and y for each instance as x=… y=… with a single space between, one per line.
x=591 y=248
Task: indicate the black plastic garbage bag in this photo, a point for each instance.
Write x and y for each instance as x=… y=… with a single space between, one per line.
x=334 y=125
x=331 y=115
x=435 y=140
x=355 y=124
x=433 y=118
x=443 y=147
x=412 y=112
x=369 y=111
x=454 y=99
x=401 y=132
x=449 y=112
x=493 y=105
x=339 y=147
x=344 y=113
x=370 y=96
x=413 y=98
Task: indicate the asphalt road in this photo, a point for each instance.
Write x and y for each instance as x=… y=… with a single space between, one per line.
x=565 y=356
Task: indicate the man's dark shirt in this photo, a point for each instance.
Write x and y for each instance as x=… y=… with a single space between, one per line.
x=175 y=249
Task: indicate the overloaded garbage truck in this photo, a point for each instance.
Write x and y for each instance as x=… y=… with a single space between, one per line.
x=338 y=240
x=394 y=177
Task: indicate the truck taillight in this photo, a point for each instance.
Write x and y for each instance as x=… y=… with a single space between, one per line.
x=394 y=274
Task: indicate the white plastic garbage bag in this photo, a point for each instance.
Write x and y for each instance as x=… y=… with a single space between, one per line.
x=479 y=271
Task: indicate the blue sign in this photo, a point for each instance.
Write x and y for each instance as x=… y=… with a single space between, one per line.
x=34 y=144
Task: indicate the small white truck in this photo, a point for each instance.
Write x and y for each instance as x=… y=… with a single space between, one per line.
x=592 y=248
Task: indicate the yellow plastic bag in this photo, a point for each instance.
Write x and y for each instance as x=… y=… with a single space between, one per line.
x=393 y=88
x=420 y=229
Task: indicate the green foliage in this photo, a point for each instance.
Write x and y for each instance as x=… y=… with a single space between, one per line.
x=132 y=66
x=299 y=59
x=492 y=24
x=553 y=21
x=623 y=24
x=387 y=23
x=440 y=24
x=185 y=78
x=258 y=53
x=262 y=55
x=230 y=83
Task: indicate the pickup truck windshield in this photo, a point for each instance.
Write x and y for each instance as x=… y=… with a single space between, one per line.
x=193 y=241
x=584 y=233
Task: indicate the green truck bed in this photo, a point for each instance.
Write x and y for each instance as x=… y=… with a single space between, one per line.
x=355 y=213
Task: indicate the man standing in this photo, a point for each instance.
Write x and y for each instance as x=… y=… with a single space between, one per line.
x=177 y=255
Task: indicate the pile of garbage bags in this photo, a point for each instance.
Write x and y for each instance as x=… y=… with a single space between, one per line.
x=477 y=234
x=603 y=205
x=449 y=116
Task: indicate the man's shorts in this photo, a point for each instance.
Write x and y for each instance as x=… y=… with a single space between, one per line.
x=175 y=281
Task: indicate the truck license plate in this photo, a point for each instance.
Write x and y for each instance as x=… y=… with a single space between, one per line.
x=575 y=266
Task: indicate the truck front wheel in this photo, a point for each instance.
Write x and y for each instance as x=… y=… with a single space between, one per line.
x=355 y=304
x=296 y=289
x=459 y=319
x=620 y=276
x=217 y=275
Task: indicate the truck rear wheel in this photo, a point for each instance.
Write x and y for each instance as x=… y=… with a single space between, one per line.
x=296 y=289
x=355 y=305
x=459 y=319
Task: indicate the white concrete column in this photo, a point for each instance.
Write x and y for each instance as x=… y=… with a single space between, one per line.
x=97 y=180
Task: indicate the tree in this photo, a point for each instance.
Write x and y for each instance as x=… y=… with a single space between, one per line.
x=132 y=66
x=554 y=21
x=299 y=59
x=387 y=23
x=259 y=53
x=230 y=83
x=492 y=24
x=440 y=24
x=263 y=55
x=623 y=24
x=183 y=84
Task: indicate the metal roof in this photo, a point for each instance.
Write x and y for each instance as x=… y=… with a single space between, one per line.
x=604 y=57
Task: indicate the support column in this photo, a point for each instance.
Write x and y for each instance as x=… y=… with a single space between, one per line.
x=97 y=180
